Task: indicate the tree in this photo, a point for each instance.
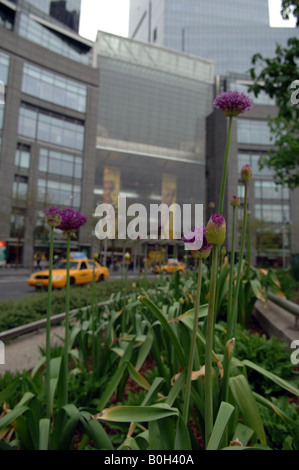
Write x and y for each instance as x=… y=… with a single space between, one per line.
x=278 y=77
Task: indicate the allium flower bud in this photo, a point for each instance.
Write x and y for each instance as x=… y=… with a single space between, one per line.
x=53 y=217
x=223 y=251
x=127 y=257
x=216 y=229
x=211 y=205
x=235 y=201
x=95 y=256
x=246 y=172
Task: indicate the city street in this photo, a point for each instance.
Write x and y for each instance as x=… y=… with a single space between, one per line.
x=14 y=287
x=13 y=284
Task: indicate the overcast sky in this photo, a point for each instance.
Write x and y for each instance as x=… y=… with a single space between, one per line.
x=112 y=16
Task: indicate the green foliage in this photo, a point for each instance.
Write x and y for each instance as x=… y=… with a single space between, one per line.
x=34 y=307
x=277 y=430
x=269 y=353
x=274 y=77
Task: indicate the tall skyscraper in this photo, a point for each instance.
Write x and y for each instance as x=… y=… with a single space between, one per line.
x=229 y=32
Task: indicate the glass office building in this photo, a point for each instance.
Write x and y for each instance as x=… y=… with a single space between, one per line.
x=47 y=124
x=151 y=134
x=52 y=24
x=229 y=32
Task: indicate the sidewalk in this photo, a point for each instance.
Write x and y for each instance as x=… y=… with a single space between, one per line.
x=6 y=272
x=23 y=353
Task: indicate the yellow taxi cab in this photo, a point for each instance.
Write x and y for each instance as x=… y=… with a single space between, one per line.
x=171 y=267
x=81 y=272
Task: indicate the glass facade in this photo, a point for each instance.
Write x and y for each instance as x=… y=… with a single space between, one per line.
x=54 y=88
x=4 y=69
x=65 y=11
x=17 y=224
x=20 y=188
x=229 y=32
x=59 y=193
x=22 y=157
x=252 y=158
x=264 y=189
x=253 y=132
x=274 y=213
x=153 y=100
x=58 y=163
x=54 y=40
x=49 y=127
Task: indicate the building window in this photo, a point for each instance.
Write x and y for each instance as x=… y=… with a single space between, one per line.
x=17 y=224
x=58 y=163
x=54 y=41
x=252 y=159
x=59 y=193
x=22 y=157
x=4 y=67
x=54 y=88
x=20 y=188
x=7 y=17
x=269 y=190
x=253 y=132
x=274 y=213
x=50 y=127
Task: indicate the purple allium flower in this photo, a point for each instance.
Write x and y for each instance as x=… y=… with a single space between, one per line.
x=71 y=220
x=216 y=229
x=246 y=172
x=53 y=217
x=232 y=103
x=193 y=240
x=235 y=201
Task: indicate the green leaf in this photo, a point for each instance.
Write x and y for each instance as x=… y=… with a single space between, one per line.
x=127 y=414
x=279 y=381
x=145 y=349
x=247 y=404
x=182 y=437
x=112 y=385
x=137 y=377
x=12 y=415
x=44 y=433
x=243 y=433
x=67 y=432
x=129 y=444
x=222 y=420
x=8 y=392
x=96 y=432
x=158 y=314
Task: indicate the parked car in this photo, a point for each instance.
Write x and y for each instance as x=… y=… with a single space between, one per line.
x=81 y=272
x=170 y=267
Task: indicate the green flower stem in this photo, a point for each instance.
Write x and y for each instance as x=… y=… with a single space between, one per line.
x=209 y=348
x=93 y=306
x=226 y=361
x=48 y=329
x=67 y=333
x=231 y=274
x=224 y=173
x=232 y=324
x=193 y=344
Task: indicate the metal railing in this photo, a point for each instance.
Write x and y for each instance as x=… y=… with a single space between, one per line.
x=39 y=324
x=287 y=305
